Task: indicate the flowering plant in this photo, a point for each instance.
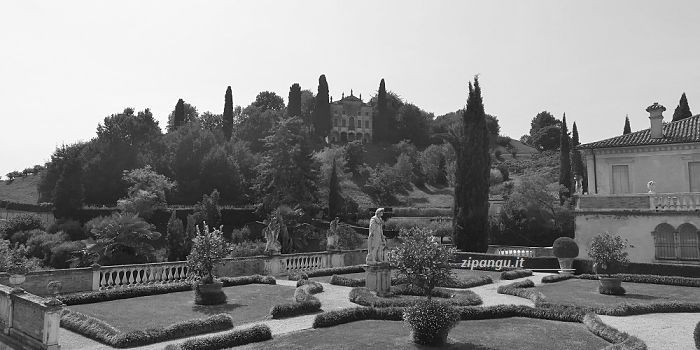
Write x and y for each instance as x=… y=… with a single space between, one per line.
x=607 y=252
x=208 y=249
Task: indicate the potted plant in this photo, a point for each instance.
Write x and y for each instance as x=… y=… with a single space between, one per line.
x=608 y=253
x=16 y=264
x=208 y=249
x=565 y=249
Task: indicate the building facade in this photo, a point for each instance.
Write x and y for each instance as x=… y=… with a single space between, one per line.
x=351 y=120
x=645 y=186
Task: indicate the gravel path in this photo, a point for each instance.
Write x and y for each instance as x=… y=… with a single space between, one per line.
x=659 y=331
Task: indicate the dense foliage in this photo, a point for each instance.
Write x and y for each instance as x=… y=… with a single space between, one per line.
x=608 y=252
x=208 y=249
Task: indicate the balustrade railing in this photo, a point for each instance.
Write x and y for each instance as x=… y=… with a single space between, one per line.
x=110 y=277
x=305 y=262
x=687 y=201
x=531 y=252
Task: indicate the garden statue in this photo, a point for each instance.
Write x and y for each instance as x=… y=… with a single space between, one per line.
x=578 y=179
x=272 y=232
x=332 y=238
x=651 y=185
x=376 y=242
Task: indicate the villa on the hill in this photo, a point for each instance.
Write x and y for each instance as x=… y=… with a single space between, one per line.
x=645 y=186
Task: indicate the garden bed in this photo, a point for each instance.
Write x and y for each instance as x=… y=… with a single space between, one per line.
x=509 y=333
x=246 y=303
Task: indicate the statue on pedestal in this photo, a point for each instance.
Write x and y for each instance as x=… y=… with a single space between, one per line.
x=651 y=185
x=376 y=242
x=578 y=180
x=271 y=233
x=332 y=238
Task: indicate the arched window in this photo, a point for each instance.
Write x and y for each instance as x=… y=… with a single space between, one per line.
x=351 y=137
x=664 y=242
x=351 y=123
x=688 y=241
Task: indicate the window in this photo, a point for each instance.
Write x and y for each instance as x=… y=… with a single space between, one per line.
x=694 y=173
x=359 y=124
x=620 y=179
x=366 y=124
x=664 y=244
x=672 y=244
x=688 y=245
x=335 y=122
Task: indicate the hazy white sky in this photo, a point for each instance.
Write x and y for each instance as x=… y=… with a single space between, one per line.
x=66 y=65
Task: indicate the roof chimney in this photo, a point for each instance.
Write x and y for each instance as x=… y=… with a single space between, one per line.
x=656 y=117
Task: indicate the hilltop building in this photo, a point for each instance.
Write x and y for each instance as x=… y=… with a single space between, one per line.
x=351 y=120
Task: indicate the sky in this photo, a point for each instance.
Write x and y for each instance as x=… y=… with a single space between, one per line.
x=65 y=66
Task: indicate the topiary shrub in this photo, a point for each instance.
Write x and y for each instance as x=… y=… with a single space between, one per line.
x=696 y=335
x=515 y=274
x=565 y=247
x=431 y=321
x=614 y=290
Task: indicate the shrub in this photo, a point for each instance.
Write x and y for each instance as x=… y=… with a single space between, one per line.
x=21 y=237
x=21 y=222
x=607 y=251
x=233 y=338
x=247 y=248
x=495 y=177
x=39 y=246
x=348 y=238
x=363 y=296
x=13 y=259
x=614 y=290
x=205 y=296
x=421 y=260
x=336 y=317
x=565 y=247
x=99 y=330
x=469 y=283
x=555 y=278
x=696 y=335
x=208 y=249
x=431 y=321
x=347 y=282
x=61 y=256
x=325 y=272
x=515 y=274
x=245 y=234
x=310 y=305
x=520 y=289
x=312 y=287
x=652 y=279
x=70 y=227
x=122 y=239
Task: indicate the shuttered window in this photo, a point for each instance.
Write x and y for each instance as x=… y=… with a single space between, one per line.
x=620 y=179
x=694 y=173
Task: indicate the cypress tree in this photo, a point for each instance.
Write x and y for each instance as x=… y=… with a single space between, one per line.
x=471 y=206
x=627 y=128
x=68 y=195
x=576 y=159
x=228 y=114
x=176 y=238
x=334 y=196
x=380 y=118
x=683 y=110
x=565 y=183
x=294 y=105
x=322 y=110
x=178 y=116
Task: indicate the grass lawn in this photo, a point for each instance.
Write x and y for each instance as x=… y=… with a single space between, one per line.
x=20 y=190
x=585 y=293
x=246 y=303
x=461 y=274
x=504 y=333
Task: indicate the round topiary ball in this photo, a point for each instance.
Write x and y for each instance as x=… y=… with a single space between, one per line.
x=565 y=247
x=430 y=321
x=697 y=335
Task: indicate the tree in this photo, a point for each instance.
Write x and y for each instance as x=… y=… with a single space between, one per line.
x=219 y=171
x=470 y=217
x=54 y=168
x=178 y=116
x=255 y=125
x=322 y=110
x=69 y=193
x=545 y=131
x=207 y=210
x=188 y=147
x=683 y=110
x=413 y=125
x=335 y=199
x=122 y=239
x=627 y=129
x=268 y=100
x=294 y=105
x=379 y=122
x=228 y=114
x=176 y=238
x=576 y=159
x=565 y=182
x=146 y=193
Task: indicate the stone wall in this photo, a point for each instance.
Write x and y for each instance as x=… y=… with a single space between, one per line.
x=635 y=227
x=72 y=280
x=640 y=202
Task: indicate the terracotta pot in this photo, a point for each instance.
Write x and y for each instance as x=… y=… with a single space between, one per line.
x=565 y=264
x=610 y=282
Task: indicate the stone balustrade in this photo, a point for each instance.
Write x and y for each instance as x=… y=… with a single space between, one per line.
x=687 y=201
x=110 y=277
x=305 y=262
x=530 y=252
x=28 y=321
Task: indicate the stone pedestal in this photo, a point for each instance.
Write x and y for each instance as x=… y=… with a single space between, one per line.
x=378 y=277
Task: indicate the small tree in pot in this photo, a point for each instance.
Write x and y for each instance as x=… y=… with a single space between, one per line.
x=424 y=262
x=208 y=249
x=607 y=252
x=565 y=249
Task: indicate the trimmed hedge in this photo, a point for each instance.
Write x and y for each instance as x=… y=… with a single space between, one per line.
x=521 y=289
x=347 y=281
x=696 y=335
x=651 y=279
x=619 y=340
x=154 y=289
x=555 y=278
x=454 y=283
x=103 y=332
x=586 y=267
x=562 y=313
x=515 y=274
x=295 y=276
x=312 y=304
x=226 y=340
x=363 y=296
x=336 y=317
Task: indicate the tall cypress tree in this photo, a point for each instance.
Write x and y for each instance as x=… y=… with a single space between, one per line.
x=471 y=206
x=627 y=129
x=564 y=163
x=68 y=195
x=683 y=110
x=322 y=110
x=576 y=159
x=228 y=114
x=294 y=105
x=334 y=196
x=380 y=118
x=178 y=116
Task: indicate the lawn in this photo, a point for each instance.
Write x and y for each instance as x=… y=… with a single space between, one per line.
x=246 y=303
x=585 y=293
x=504 y=333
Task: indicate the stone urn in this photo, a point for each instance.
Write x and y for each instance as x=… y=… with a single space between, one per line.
x=610 y=282
x=566 y=266
x=17 y=279
x=209 y=293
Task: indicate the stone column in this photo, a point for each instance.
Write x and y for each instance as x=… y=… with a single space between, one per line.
x=52 y=323
x=378 y=277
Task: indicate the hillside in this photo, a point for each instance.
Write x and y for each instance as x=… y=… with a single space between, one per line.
x=20 y=190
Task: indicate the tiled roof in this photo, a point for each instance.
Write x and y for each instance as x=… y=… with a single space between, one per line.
x=682 y=131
